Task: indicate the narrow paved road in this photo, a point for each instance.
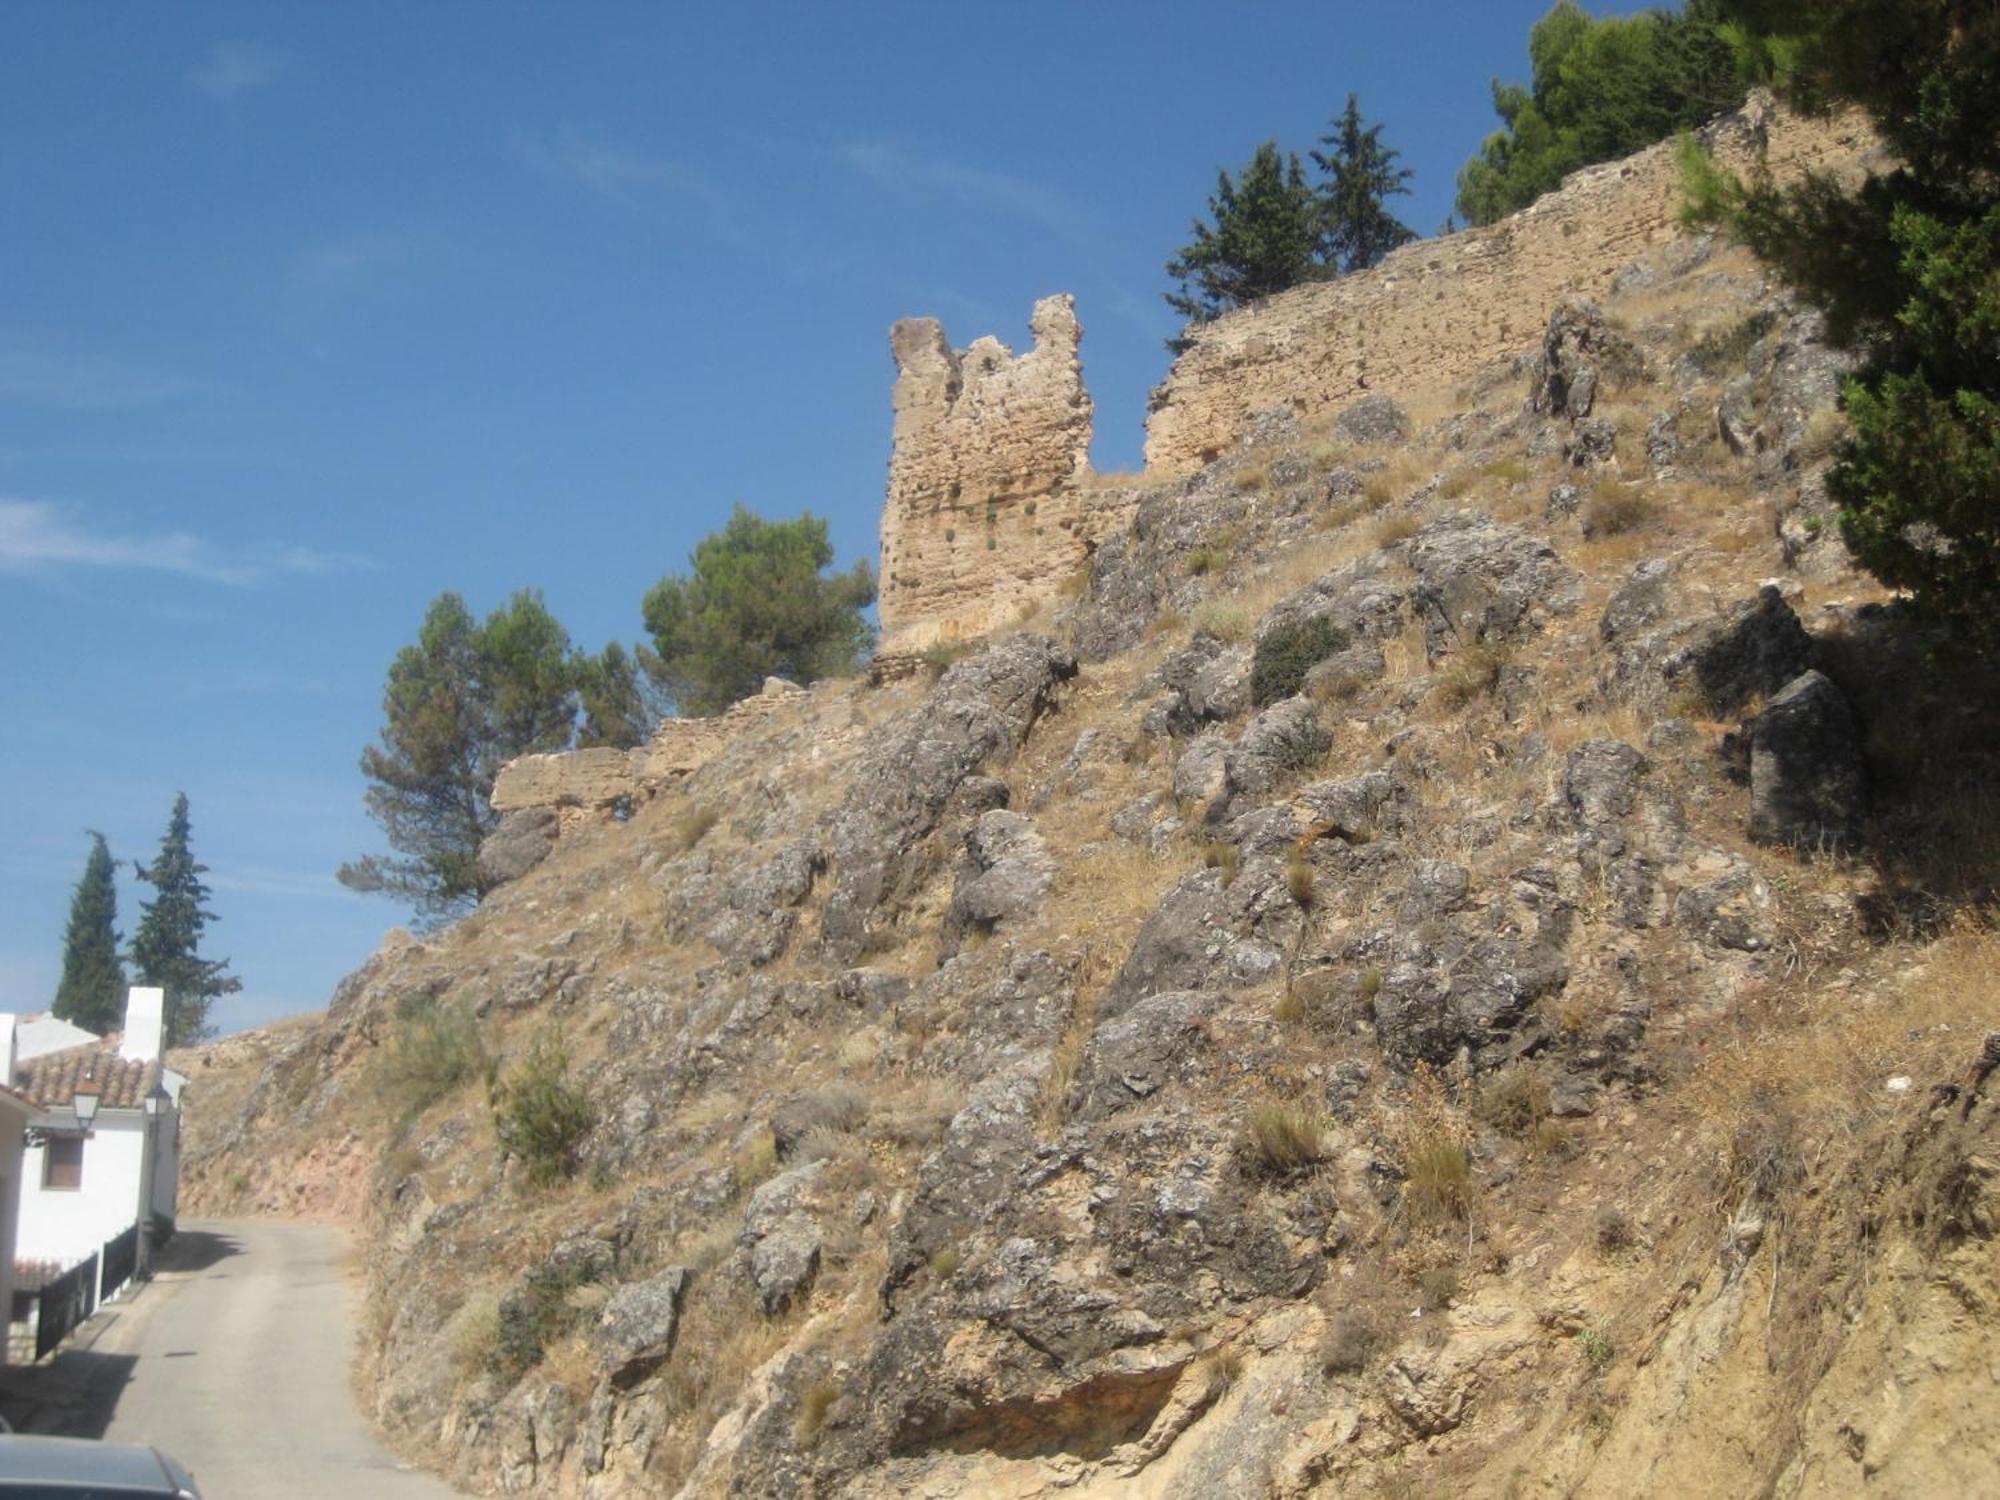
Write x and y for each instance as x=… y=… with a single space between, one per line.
x=235 y=1360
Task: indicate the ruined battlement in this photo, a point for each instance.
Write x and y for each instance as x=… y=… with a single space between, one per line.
x=1435 y=312
x=988 y=504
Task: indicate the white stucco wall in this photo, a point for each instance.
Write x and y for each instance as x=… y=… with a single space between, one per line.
x=65 y=1225
x=12 y=1123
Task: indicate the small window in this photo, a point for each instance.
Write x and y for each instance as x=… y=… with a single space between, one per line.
x=62 y=1162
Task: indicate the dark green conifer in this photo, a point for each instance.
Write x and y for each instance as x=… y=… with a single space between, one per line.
x=91 y=993
x=166 y=950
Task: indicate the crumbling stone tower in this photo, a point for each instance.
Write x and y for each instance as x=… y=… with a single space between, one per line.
x=989 y=504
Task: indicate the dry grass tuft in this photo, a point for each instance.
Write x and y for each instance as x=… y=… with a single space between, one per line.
x=1436 y=1150
x=1473 y=672
x=816 y=1404
x=690 y=828
x=1515 y=1100
x=1616 y=508
x=1283 y=1138
x=1226 y=622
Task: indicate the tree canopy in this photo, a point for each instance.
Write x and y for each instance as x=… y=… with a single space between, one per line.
x=1600 y=89
x=1360 y=175
x=91 y=993
x=461 y=702
x=166 y=950
x=756 y=602
x=1269 y=229
x=1264 y=237
x=1906 y=266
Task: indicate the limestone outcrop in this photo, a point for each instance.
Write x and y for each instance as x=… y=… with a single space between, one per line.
x=1437 y=311
x=989 y=503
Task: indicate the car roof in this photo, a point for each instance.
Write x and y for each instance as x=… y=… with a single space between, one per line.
x=79 y=1461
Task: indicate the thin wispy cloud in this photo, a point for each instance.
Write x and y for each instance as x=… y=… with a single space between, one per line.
x=900 y=169
x=235 y=68
x=85 y=382
x=323 y=283
x=41 y=536
x=654 y=187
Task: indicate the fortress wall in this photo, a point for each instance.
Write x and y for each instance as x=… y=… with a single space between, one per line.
x=988 y=506
x=1437 y=311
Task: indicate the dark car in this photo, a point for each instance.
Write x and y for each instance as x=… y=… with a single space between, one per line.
x=56 y=1468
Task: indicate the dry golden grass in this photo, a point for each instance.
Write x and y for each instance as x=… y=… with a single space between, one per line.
x=1616 y=507
x=1281 y=1136
x=1226 y=622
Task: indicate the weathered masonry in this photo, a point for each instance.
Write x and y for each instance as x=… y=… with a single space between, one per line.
x=1435 y=312
x=991 y=502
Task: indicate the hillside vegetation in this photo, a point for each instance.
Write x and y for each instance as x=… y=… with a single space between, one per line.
x=1456 y=959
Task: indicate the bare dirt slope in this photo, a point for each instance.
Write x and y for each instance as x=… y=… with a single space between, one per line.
x=1456 y=959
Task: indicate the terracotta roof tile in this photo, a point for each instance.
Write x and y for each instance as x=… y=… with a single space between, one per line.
x=51 y=1080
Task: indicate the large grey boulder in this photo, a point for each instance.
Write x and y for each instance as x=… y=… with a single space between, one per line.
x=1578 y=349
x=636 y=1331
x=1373 y=419
x=1284 y=739
x=783 y=1237
x=1138 y=1053
x=979 y=713
x=1750 y=652
x=1003 y=878
x=1478 y=579
x=759 y=910
x=522 y=841
x=1807 y=784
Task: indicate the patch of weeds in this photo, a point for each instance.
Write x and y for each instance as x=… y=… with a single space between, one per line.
x=1614 y=1231
x=756 y=1161
x=690 y=828
x=472 y=1333
x=1350 y=1341
x=816 y=1404
x=1393 y=529
x=945 y=1263
x=1224 y=857
x=1206 y=560
x=1437 y=1161
x=1515 y=1100
x=1301 y=881
x=939 y=656
x=1597 y=1348
x=1726 y=348
x=1436 y=1286
x=1617 y=507
x=534 y=1316
x=434 y=1049
x=1226 y=622
x=1472 y=673
x=1283 y=1138
x=1286 y=652
x=1291 y=1006
x=1825 y=430
x=540 y=1115
x=1369 y=985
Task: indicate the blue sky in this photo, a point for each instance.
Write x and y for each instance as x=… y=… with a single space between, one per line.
x=309 y=313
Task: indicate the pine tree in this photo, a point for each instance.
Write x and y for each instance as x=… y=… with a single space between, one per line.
x=166 y=950
x=1361 y=174
x=92 y=991
x=460 y=703
x=1906 y=266
x=1264 y=238
x=756 y=602
x=616 y=712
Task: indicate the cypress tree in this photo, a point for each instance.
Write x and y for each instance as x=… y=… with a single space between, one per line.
x=1265 y=238
x=1361 y=174
x=92 y=991
x=166 y=951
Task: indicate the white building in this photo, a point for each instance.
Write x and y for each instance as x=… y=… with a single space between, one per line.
x=84 y=1183
x=16 y=1113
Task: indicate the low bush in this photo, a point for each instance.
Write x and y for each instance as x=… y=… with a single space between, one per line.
x=1515 y=1100
x=1287 y=652
x=1472 y=673
x=1226 y=622
x=540 y=1115
x=1350 y=1341
x=434 y=1049
x=1283 y=1137
x=1615 y=508
x=816 y=1404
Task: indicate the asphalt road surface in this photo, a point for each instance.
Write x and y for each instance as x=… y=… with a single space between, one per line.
x=235 y=1360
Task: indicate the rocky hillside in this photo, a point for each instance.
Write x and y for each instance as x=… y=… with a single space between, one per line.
x=1453 y=960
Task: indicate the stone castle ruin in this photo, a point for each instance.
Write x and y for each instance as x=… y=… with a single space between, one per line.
x=991 y=501
x=1437 y=311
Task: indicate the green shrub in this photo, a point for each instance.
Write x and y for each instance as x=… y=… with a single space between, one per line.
x=1283 y=1137
x=541 y=1116
x=1287 y=652
x=434 y=1048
